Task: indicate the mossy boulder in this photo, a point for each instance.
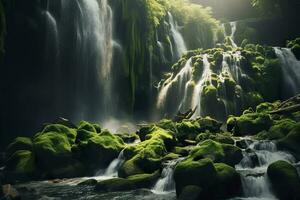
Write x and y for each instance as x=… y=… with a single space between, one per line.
x=217 y=152
x=22 y=162
x=85 y=131
x=228 y=183
x=129 y=183
x=201 y=173
x=128 y=137
x=187 y=130
x=225 y=138
x=278 y=131
x=291 y=141
x=20 y=143
x=190 y=192
x=285 y=180
x=249 y=124
x=53 y=145
x=209 y=124
x=146 y=156
x=100 y=149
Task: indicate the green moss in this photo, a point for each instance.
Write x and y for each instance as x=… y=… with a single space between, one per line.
x=249 y=124
x=266 y=107
x=291 y=142
x=187 y=129
x=146 y=156
x=84 y=125
x=278 y=131
x=101 y=149
x=130 y=183
x=188 y=172
x=20 y=143
x=22 y=162
x=284 y=179
x=228 y=182
x=217 y=152
x=225 y=138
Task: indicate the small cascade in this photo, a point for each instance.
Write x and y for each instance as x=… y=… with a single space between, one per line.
x=233 y=27
x=112 y=169
x=291 y=71
x=203 y=81
x=166 y=183
x=253 y=167
x=179 y=81
x=177 y=37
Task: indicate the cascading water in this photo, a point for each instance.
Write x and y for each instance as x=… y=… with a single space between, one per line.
x=113 y=167
x=166 y=183
x=80 y=42
x=205 y=78
x=257 y=157
x=291 y=71
x=233 y=27
x=179 y=81
x=180 y=46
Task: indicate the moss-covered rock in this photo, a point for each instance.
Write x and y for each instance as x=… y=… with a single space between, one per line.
x=278 y=131
x=130 y=183
x=187 y=130
x=285 y=180
x=291 y=141
x=146 y=156
x=52 y=146
x=225 y=138
x=100 y=149
x=217 y=152
x=128 y=137
x=190 y=192
x=228 y=182
x=22 y=162
x=20 y=143
x=249 y=124
x=201 y=173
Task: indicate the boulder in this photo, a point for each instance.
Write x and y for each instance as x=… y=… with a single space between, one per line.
x=249 y=124
x=217 y=152
x=100 y=149
x=52 y=146
x=21 y=163
x=88 y=182
x=129 y=183
x=228 y=183
x=146 y=157
x=201 y=173
x=291 y=141
x=285 y=180
x=190 y=192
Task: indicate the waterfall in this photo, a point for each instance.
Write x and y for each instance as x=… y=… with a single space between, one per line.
x=178 y=81
x=231 y=37
x=253 y=167
x=113 y=167
x=290 y=71
x=80 y=43
x=205 y=78
x=166 y=183
x=177 y=37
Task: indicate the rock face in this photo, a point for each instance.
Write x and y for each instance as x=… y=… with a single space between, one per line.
x=285 y=180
